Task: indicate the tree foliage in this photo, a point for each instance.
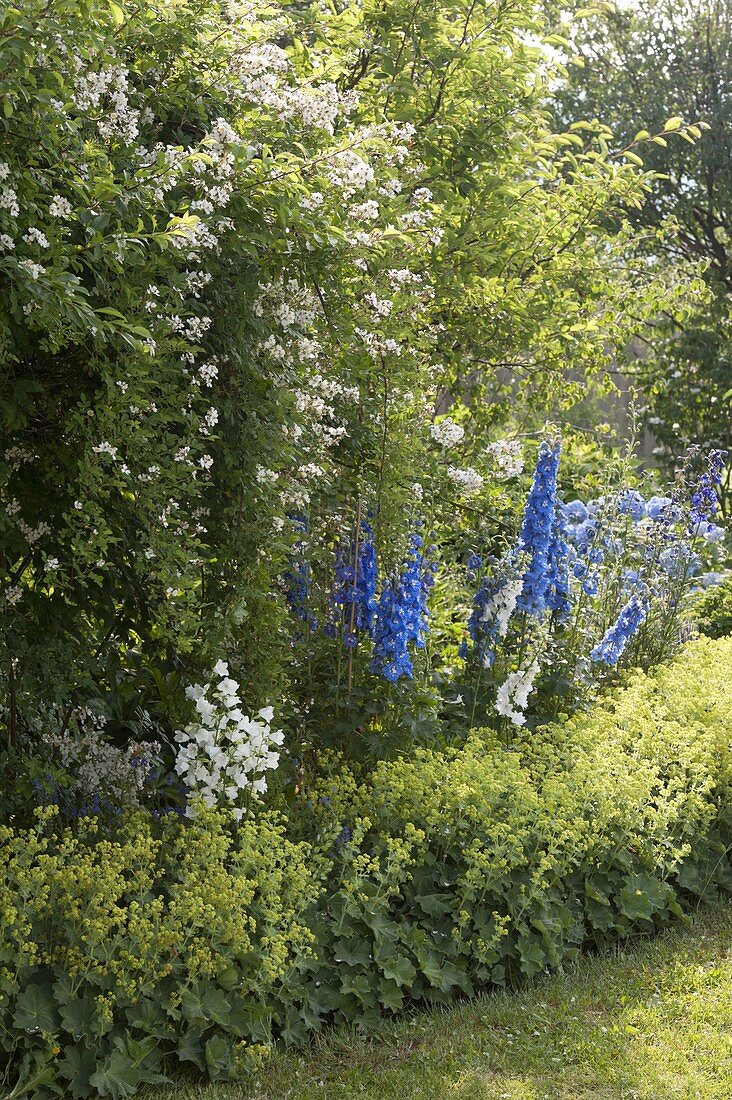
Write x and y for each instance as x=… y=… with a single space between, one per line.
x=244 y=251
x=642 y=68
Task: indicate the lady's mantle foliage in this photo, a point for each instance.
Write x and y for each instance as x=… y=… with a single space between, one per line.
x=433 y=876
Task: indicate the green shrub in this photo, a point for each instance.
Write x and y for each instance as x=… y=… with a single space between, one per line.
x=115 y=954
x=443 y=873
x=713 y=611
x=483 y=865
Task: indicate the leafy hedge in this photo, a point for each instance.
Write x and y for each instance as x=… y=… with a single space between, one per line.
x=713 y=610
x=442 y=873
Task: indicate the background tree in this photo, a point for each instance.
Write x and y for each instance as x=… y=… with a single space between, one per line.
x=638 y=67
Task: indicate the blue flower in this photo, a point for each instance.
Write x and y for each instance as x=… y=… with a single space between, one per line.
x=557 y=572
x=710 y=532
x=536 y=530
x=574 y=512
x=704 y=497
x=474 y=563
x=584 y=534
x=678 y=560
x=632 y=504
x=297 y=577
x=612 y=645
x=402 y=615
x=662 y=508
x=353 y=594
x=591 y=583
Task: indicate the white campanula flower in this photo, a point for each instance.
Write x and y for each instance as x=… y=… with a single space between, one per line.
x=223 y=754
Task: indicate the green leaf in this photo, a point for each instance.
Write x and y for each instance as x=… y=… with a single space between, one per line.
x=203 y=1002
x=36 y=1010
x=118 y=1077
x=390 y=995
x=436 y=905
x=352 y=952
x=77 y=1067
x=117 y=11
x=218 y=1058
x=399 y=970
x=674 y=123
x=190 y=1048
x=79 y=1018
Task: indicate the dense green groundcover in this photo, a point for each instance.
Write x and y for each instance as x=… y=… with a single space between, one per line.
x=440 y=874
x=648 y=1019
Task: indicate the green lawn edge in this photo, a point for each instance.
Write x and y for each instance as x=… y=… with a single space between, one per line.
x=650 y=1019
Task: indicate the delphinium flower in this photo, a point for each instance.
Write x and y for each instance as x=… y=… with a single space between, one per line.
x=353 y=595
x=679 y=561
x=366 y=580
x=612 y=645
x=223 y=754
x=662 y=509
x=631 y=503
x=557 y=573
x=402 y=615
x=536 y=530
x=704 y=497
x=473 y=564
x=493 y=605
x=103 y=774
x=297 y=578
x=583 y=530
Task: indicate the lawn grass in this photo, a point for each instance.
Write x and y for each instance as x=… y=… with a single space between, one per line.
x=651 y=1020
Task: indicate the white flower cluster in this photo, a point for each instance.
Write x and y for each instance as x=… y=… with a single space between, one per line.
x=502 y=605
x=509 y=457
x=107 y=90
x=447 y=433
x=223 y=754
x=100 y=769
x=262 y=71
x=513 y=695
x=350 y=173
x=468 y=481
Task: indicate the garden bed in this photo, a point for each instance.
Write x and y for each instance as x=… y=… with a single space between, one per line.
x=189 y=943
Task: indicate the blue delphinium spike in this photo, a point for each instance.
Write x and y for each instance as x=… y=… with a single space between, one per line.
x=612 y=645
x=402 y=615
x=557 y=573
x=354 y=587
x=536 y=530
